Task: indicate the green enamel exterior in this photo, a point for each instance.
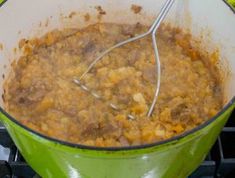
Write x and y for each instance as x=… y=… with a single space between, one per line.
x=174 y=159
x=232 y=2
x=1 y=1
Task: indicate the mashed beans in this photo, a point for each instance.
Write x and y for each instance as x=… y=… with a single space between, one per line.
x=41 y=94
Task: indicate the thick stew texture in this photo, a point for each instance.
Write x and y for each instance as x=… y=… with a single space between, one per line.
x=40 y=92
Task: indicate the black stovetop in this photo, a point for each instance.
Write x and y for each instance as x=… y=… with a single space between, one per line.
x=220 y=162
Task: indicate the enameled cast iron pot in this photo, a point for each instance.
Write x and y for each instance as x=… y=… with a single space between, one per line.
x=211 y=20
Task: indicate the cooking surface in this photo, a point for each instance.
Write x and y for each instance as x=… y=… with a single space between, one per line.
x=219 y=162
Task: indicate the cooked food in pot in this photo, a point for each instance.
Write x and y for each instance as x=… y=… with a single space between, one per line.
x=40 y=92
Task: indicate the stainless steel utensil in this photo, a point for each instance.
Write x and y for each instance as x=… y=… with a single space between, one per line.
x=152 y=31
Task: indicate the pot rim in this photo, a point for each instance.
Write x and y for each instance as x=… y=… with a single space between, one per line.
x=125 y=148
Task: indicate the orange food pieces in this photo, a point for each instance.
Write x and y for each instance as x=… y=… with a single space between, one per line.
x=41 y=94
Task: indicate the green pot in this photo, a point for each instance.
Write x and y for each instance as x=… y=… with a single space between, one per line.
x=173 y=158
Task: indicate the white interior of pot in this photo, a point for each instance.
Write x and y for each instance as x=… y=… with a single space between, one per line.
x=211 y=20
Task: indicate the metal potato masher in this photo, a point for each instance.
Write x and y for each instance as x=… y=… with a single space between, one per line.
x=152 y=31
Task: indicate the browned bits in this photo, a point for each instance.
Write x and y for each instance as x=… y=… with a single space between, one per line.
x=87 y=17
x=22 y=43
x=3 y=98
x=72 y=14
x=42 y=89
x=100 y=10
x=136 y=8
x=1 y=46
x=25 y=45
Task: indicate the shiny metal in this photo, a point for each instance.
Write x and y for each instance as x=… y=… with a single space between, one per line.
x=129 y=116
x=153 y=29
x=97 y=96
x=113 y=106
